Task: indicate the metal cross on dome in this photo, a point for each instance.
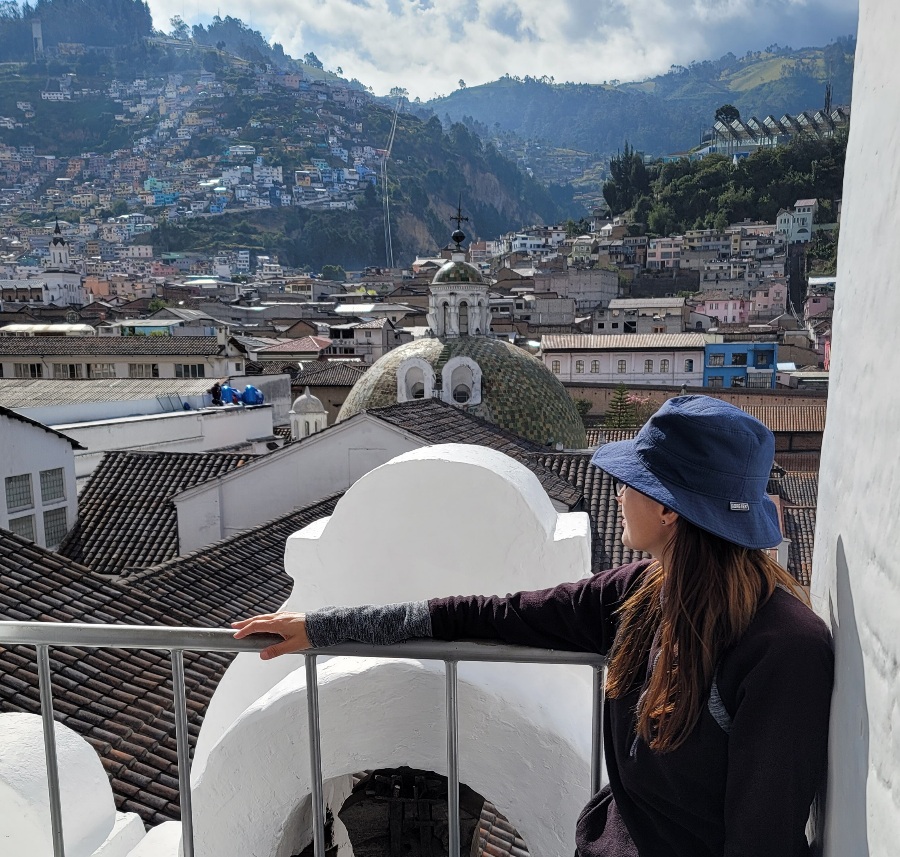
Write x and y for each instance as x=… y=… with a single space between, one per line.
x=459 y=236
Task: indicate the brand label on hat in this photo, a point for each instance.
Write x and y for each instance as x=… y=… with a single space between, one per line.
x=739 y=507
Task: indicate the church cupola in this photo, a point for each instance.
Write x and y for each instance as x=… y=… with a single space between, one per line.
x=458 y=301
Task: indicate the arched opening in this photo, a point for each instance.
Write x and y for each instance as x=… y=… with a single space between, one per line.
x=415 y=383
x=463 y=319
x=461 y=394
x=445 y=311
x=404 y=811
x=418 y=390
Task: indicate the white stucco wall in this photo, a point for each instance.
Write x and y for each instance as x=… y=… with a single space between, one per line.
x=29 y=449
x=856 y=579
x=439 y=520
x=181 y=431
x=288 y=479
x=91 y=825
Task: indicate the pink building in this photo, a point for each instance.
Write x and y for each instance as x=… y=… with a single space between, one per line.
x=768 y=299
x=817 y=305
x=664 y=252
x=725 y=308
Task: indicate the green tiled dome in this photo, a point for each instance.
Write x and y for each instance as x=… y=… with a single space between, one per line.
x=457 y=272
x=518 y=392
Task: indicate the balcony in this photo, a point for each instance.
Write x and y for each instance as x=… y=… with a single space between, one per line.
x=261 y=775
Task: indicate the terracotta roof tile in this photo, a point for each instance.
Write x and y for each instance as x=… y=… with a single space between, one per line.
x=789 y=418
x=330 y=374
x=596 y=487
x=437 y=422
x=49 y=346
x=126 y=517
x=121 y=700
x=596 y=436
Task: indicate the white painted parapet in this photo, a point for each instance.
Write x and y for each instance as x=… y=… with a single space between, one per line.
x=441 y=520
x=91 y=825
x=856 y=579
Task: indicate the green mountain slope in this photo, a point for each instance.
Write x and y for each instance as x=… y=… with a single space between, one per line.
x=661 y=114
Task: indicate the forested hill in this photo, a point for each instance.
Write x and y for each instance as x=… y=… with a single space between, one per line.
x=662 y=114
x=101 y=23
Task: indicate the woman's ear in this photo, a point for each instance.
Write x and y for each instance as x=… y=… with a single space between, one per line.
x=669 y=516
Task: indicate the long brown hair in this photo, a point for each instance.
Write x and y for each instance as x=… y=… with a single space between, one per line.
x=700 y=604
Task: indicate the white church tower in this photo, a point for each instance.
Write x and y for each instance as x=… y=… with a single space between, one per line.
x=458 y=301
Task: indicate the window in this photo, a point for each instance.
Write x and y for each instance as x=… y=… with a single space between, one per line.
x=101 y=370
x=579 y=366
x=663 y=366
x=601 y=325
x=192 y=370
x=739 y=358
x=23 y=527
x=715 y=381
x=29 y=370
x=239 y=367
x=716 y=360
x=762 y=359
x=54 y=526
x=621 y=367
x=67 y=370
x=615 y=324
x=739 y=381
x=648 y=366
x=461 y=394
x=18 y=492
x=143 y=370
x=554 y=367
x=595 y=367
x=689 y=365
x=760 y=379
x=659 y=328
x=53 y=485
x=418 y=390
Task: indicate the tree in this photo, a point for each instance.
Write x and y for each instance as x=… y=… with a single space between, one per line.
x=583 y=406
x=313 y=60
x=727 y=114
x=179 y=29
x=334 y=272
x=621 y=412
x=461 y=84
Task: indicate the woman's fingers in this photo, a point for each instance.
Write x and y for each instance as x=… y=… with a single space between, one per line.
x=291 y=627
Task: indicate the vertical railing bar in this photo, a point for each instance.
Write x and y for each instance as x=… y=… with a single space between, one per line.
x=46 y=692
x=597 y=728
x=315 y=755
x=184 y=754
x=452 y=758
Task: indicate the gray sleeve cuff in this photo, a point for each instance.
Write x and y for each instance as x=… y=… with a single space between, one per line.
x=380 y=625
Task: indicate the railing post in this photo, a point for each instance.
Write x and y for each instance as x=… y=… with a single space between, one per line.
x=597 y=728
x=315 y=756
x=184 y=763
x=452 y=758
x=46 y=692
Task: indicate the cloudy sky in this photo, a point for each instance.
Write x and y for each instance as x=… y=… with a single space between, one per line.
x=427 y=46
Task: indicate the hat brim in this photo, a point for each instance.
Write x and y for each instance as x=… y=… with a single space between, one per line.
x=755 y=527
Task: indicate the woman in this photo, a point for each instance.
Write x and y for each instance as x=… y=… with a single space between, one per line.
x=720 y=676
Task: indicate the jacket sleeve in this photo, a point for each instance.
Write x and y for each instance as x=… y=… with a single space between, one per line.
x=577 y=616
x=777 y=747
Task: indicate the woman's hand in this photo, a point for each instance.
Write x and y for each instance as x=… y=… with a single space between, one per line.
x=290 y=626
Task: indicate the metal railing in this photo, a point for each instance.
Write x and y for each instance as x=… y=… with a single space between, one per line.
x=176 y=641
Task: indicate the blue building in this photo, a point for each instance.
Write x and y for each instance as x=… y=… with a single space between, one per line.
x=740 y=364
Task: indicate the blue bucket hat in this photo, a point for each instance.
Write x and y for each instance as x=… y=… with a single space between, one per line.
x=707 y=460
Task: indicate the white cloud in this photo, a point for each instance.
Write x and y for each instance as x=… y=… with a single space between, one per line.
x=426 y=46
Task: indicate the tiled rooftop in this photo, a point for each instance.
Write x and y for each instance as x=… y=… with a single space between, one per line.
x=121 y=700
x=303 y=344
x=46 y=392
x=596 y=436
x=620 y=341
x=789 y=418
x=799 y=493
x=330 y=374
x=50 y=346
x=271 y=367
x=596 y=487
x=126 y=518
x=437 y=422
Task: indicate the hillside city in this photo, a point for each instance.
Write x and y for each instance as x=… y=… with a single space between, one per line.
x=170 y=418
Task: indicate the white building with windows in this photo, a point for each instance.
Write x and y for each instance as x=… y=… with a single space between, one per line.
x=671 y=359
x=37 y=465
